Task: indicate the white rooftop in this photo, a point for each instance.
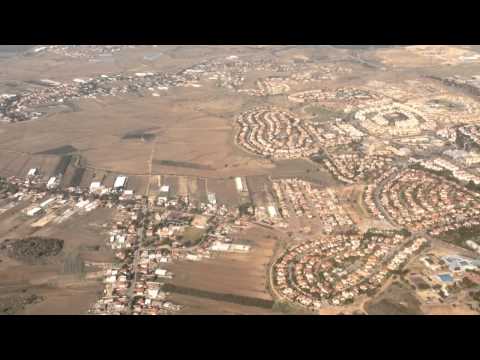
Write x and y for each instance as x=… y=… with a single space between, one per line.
x=120 y=182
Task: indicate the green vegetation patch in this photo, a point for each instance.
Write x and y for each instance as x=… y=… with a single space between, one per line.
x=192 y=236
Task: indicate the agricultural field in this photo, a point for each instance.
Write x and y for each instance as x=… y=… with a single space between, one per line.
x=242 y=275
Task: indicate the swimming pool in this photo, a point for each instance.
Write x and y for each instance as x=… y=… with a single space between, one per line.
x=446 y=277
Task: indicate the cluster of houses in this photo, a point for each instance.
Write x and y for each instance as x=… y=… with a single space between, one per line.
x=81 y=51
x=299 y=198
x=274 y=133
x=277 y=85
x=321 y=73
x=350 y=168
x=134 y=284
x=403 y=255
x=268 y=86
x=338 y=269
x=115 y=299
x=426 y=202
x=345 y=95
x=146 y=240
x=231 y=72
x=371 y=189
x=31 y=104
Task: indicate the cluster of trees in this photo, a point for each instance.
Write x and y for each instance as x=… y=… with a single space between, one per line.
x=6 y=187
x=32 y=249
x=460 y=236
x=447 y=174
x=475 y=295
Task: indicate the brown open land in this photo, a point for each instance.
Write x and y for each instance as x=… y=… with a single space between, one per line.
x=57 y=292
x=303 y=169
x=225 y=191
x=84 y=234
x=448 y=310
x=397 y=299
x=195 y=306
x=188 y=138
x=259 y=190
x=242 y=275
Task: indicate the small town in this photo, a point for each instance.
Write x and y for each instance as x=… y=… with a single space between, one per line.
x=240 y=180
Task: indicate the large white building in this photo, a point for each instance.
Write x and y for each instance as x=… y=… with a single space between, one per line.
x=212 y=199
x=34 y=211
x=272 y=211
x=52 y=183
x=120 y=182
x=33 y=172
x=95 y=186
x=239 y=184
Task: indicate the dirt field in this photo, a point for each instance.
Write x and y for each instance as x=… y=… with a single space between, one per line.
x=397 y=299
x=236 y=274
x=71 y=298
x=225 y=191
x=196 y=306
x=81 y=231
x=303 y=169
x=60 y=293
x=448 y=310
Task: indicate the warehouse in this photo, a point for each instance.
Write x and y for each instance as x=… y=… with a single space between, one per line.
x=239 y=184
x=52 y=183
x=272 y=211
x=34 y=211
x=46 y=203
x=164 y=194
x=33 y=172
x=120 y=183
x=212 y=199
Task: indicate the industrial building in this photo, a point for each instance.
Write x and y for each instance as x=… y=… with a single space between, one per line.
x=34 y=211
x=164 y=194
x=120 y=183
x=272 y=211
x=52 y=183
x=212 y=199
x=33 y=172
x=239 y=184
